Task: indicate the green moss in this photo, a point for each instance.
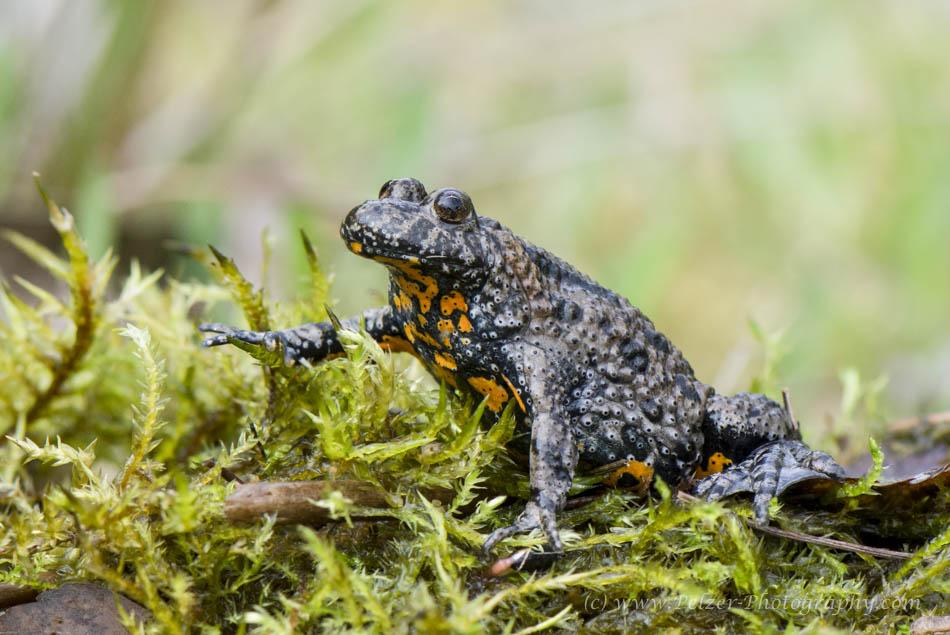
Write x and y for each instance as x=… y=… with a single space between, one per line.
x=154 y=430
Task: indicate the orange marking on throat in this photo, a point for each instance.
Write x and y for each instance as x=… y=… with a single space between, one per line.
x=497 y=396
x=716 y=463
x=356 y=247
x=412 y=281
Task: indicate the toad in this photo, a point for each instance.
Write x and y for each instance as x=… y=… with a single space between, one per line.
x=594 y=382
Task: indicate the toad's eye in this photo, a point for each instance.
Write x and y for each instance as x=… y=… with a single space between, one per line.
x=386 y=190
x=453 y=206
x=403 y=189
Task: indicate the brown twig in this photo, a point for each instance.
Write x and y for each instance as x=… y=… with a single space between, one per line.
x=842 y=545
x=787 y=402
x=291 y=502
x=832 y=543
x=902 y=425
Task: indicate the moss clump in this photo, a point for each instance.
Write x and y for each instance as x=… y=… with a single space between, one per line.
x=156 y=432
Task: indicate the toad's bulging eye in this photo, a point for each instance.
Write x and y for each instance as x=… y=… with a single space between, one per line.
x=386 y=190
x=453 y=206
x=403 y=189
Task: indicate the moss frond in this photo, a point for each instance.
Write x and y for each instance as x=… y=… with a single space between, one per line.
x=62 y=355
x=250 y=301
x=319 y=282
x=146 y=417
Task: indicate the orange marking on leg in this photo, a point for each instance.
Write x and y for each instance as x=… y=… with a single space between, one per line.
x=497 y=396
x=637 y=469
x=422 y=319
x=453 y=301
x=716 y=463
x=464 y=324
x=515 y=393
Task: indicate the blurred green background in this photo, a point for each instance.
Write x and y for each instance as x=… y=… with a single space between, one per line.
x=786 y=162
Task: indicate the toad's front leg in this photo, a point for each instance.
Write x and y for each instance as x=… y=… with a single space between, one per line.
x=313 y=342
x=552 y=462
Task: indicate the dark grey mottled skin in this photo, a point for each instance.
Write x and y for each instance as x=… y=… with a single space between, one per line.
x=595 y=383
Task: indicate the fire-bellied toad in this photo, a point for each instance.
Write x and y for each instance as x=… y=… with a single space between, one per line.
x=488 y=312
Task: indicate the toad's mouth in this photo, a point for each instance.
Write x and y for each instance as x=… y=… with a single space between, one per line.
x=419 y=248
x=388 y=256
x=364 y=242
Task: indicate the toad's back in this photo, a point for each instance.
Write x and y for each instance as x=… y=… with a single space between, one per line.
x=629 y=394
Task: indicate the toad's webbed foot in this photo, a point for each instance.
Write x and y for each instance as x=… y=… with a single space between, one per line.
x=311 y=342
x=541 y=514
x=769 y=471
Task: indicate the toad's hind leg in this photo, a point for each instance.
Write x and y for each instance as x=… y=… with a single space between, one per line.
x=768 y=472
x=763 y=440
